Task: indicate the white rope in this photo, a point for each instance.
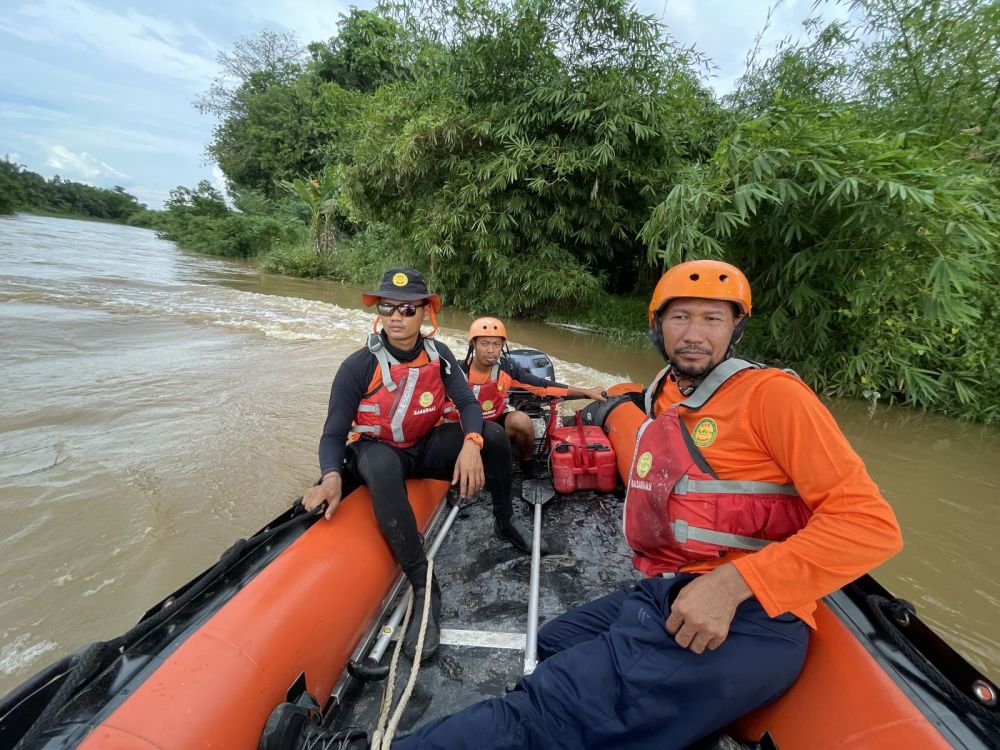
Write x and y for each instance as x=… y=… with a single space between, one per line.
x=383 y=735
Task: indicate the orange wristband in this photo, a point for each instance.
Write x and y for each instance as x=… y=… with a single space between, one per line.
x=476 y=438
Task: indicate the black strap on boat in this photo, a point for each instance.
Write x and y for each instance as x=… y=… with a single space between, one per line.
x=89 y=661
x=892 y=614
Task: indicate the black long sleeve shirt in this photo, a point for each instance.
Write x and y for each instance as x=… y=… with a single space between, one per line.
x=523 y=378
x=351 y=383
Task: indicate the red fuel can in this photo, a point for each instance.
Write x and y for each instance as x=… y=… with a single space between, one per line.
x=581 y=459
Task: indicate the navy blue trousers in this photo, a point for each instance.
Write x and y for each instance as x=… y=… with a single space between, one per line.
x=612 y=677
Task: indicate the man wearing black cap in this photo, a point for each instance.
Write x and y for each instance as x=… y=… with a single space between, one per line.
x=385 y=405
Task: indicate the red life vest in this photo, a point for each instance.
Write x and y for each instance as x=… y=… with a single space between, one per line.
x=408 y=403
x=491 y=395
x=677 y=511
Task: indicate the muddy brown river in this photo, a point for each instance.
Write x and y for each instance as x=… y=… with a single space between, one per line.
x=157 y=405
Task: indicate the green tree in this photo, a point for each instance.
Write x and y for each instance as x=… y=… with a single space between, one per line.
x=321 y=195
x=368 y=51
x=24 y=190
x=522 y=157
x=198 y=219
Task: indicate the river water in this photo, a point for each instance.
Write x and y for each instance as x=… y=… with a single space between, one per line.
x=157 y=405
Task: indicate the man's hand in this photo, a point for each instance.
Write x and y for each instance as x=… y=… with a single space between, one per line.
x=469 y=474
x=595 y=394
x=328 y=491
x=703 y=611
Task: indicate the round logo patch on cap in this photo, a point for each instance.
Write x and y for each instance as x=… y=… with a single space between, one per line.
x=644 y=464
x=487 y=405
x=705 y=432
x=400 y=279
x=426 y=398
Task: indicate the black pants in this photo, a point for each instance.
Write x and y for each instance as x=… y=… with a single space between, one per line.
x=384 y=468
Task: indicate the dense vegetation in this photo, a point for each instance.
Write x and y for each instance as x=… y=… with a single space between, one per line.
x=551 y=157
x=22 y=190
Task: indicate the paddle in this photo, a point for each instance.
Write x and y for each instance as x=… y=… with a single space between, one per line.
x=538 y=497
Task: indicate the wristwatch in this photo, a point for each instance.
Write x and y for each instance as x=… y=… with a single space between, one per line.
x=476 y=438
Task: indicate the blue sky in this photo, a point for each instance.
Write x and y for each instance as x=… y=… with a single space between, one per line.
x=100 y=91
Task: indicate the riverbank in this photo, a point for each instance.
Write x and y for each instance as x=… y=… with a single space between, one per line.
x=360 y=260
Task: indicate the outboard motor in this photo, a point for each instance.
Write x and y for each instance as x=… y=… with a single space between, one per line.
x=537 y=363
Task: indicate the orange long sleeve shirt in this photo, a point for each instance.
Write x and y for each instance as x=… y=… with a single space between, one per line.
x=775 y=429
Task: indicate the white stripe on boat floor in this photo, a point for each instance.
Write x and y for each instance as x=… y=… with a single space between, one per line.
x=482 y=638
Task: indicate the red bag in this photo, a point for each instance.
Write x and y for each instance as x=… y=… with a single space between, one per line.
x=581 y=458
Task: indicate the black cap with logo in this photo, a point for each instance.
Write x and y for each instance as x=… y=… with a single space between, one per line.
x=404 y=285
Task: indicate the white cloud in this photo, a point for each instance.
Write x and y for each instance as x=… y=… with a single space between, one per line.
x=81 y=165
x=151 y=197
x=679 y=11
x=309 y=20
x=726 y=31
x=143 y=42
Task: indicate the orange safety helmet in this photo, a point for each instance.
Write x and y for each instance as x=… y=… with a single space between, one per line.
x=487 y=327
x=707 y=279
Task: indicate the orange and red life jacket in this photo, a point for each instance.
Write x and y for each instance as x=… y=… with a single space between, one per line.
x=493 y=394
x=678 y=512
x=407 y=403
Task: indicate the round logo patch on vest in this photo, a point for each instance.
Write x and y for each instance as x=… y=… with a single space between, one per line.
x=644 y=464
x=705 y=432
x=487 y=405
x=400 y=279
x=426 y=398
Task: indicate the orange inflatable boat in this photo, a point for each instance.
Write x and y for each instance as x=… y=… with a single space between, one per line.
x=205 y=667
x=287 y=610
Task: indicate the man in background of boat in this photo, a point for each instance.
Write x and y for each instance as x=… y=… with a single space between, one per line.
x=386 y=404
x=492 y=375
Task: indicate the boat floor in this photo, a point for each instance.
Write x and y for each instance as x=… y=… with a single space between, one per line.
x=485 y=591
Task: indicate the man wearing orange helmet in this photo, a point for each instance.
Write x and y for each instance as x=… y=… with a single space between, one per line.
x=745 y=504
x=492 y=375
x=382 y=427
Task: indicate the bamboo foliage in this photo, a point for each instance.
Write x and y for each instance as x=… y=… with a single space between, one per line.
x=874 y=258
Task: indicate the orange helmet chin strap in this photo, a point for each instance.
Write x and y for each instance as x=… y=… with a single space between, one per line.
x=434 y=323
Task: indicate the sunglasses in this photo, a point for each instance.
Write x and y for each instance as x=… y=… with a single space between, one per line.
x=406 y=309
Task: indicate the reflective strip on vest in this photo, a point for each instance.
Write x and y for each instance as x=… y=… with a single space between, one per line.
x=493 y=378
x=385 y=360
x=719 y=375
x=732 y=487
x=684 y=532
x=402 y=407
x=705 y=390
x=373 y=408
x=654 y=389
x=362 y=429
